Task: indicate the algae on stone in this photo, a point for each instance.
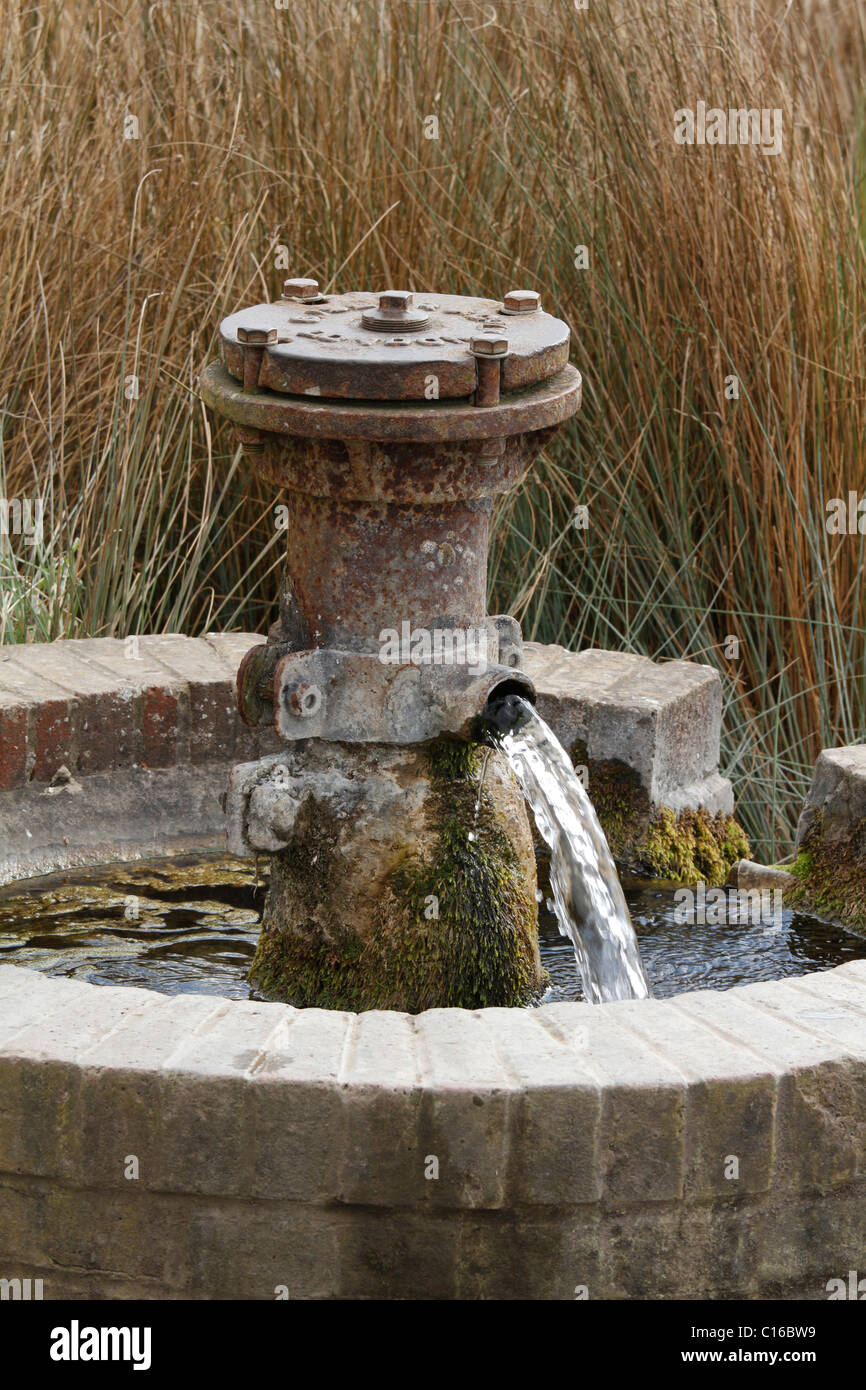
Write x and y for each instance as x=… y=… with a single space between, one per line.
x=691 y=846
x=439 y=912
x=831 y=874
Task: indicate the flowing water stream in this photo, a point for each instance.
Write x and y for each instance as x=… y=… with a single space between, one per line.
x=588 y=900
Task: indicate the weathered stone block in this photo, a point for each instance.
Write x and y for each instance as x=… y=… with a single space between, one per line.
x=647 y=734
x=159 y=697
x=468 y=1112
x=40 y=1079
x=105 y=721
x=403 y=1255
x=134 y=1231
x=830 y=865
x=730 y=1100
x=805 y=1241
x=297 y=1115
x=820 y=1129
x=680 y=1251
x=261 y=1250
x=110 y=816
x=213 y=716
x=529 y=1254
x=122 y=1083
x=13 y=742
x=383 y=1155
x=662 y=720
x=837 y=796
x=641 y=1133
x=556 y=1114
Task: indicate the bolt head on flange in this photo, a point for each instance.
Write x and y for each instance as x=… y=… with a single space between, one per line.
x=521 y=302
x=396 y=312
x=300 y=289
x=489 y=345
x=396 y=301
x=256 y=337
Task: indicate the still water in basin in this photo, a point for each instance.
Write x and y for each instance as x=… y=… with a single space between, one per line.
x=189 y=925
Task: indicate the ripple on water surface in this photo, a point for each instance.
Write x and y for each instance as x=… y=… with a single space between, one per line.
x=190 y=926
x=685 y=955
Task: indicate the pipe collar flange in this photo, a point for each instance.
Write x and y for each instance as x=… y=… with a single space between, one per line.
x=356 y=697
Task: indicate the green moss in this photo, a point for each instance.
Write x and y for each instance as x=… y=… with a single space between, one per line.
x=456 y=929
x=454 y=760
x=308 y=971
x=620 y=801
x=481 y=948
x=691 y=847
x=801 y=866
x=832 y=875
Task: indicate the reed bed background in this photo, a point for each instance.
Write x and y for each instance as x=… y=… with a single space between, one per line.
x=156 y=157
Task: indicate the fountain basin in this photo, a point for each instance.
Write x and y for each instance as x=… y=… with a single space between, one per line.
x=576 y=1148
x=501 y=1153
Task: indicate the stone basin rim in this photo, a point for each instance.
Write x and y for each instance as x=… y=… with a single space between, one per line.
x=696 y=1015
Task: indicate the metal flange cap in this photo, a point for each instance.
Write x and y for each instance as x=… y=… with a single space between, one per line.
x=396 y=346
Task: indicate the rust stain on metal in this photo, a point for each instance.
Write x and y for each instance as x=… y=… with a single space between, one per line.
x=391 y=423
x=330 y=348
x=519 y=412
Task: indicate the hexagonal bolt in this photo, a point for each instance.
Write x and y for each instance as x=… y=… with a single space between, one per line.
x=489 y=345
x=305 y=700
x=488 y=349
x=521 y=302
x=254 y=340
x=300 y=289
x=395 y=311
x=256 y=337
x=396 y=301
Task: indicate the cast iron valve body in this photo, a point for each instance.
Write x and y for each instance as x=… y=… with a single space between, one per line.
x=402 y=864
x=391 y=423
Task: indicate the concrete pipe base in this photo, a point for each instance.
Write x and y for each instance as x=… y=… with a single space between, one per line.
x=389 y=890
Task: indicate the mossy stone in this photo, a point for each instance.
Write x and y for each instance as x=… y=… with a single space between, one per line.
x=691 y=846
x=831 y=874
x=439 y=912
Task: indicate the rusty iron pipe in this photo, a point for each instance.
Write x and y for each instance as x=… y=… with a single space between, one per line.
x=391 y=424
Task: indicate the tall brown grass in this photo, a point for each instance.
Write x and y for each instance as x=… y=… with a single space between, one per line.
x=260 y=128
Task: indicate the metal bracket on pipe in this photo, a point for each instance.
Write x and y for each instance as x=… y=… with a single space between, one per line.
x=355 y=697
x=358 y=697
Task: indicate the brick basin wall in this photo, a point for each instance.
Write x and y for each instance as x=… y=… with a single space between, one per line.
x=576 y=1147
x=708 y=1146
x=102 y=704
x=147 y=729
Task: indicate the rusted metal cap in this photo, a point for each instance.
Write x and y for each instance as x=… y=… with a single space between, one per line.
x=395 y=346
x=396 y=312
x=302 y=289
